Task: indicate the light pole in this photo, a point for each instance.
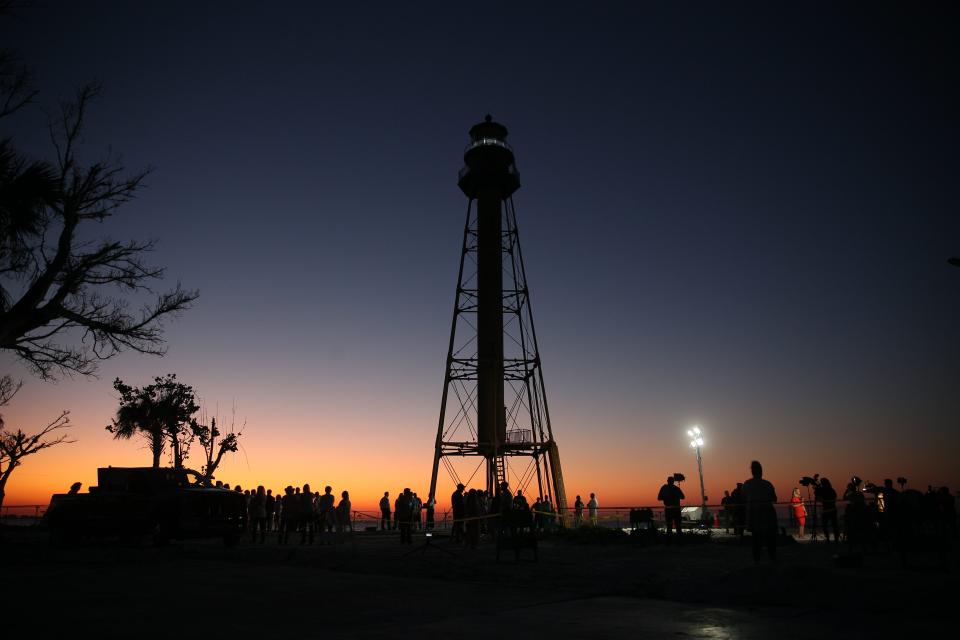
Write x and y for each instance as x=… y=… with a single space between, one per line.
x=696 y=441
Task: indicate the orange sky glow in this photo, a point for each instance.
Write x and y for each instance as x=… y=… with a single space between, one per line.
x=380 y=450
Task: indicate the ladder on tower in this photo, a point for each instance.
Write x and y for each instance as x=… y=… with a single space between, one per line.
x=500 y=466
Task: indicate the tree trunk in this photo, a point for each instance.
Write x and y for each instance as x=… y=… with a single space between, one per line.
x=156 y=446
x=3 y=485
x=177 y=459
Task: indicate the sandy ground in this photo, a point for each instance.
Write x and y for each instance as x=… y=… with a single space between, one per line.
x=370 y=588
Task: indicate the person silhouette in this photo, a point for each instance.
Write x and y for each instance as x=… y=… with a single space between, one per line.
x=472 y=506
x=405 y=516
x=458 y=506
x=739 y=511
x=592 y=507
x=258 y=514
x=578 y=512
x=671 y=495
x=385 y=511
x=827 y=496
x=344 y=522
x=305 y=511
x=726 y=505
x=327 y=515
x=430 y=505
x=760 y=498
x=288 y=514
x=270 y=503
x=519 y=501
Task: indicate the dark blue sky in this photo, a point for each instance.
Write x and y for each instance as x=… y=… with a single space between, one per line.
x=730 y=213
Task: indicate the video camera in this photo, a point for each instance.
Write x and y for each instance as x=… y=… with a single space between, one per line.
x=807 y=481
x=679 y=477
x=872 y=488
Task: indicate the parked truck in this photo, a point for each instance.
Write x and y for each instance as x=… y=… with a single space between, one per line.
x=134 y=502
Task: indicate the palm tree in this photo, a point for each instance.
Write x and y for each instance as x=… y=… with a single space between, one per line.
x=136 y=416
x=161 y=412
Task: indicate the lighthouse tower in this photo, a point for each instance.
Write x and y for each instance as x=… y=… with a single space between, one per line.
x=494 y=406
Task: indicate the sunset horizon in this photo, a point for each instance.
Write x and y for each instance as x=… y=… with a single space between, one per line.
x=525 y=268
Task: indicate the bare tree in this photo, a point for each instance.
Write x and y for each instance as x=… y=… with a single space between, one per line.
x=215 y=444
x=17 y=445
x=52 y=283
x=62 y=303
x=8 y=389
x=16 y=85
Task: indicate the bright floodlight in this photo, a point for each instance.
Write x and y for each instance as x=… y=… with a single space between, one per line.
x=696 y=441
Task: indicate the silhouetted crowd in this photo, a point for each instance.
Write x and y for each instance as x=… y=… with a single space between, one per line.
x=477 y=513
x=409 y=512
x=301 y=512
x=869 y=514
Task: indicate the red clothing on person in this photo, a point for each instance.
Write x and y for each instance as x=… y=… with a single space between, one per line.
x=799 y=511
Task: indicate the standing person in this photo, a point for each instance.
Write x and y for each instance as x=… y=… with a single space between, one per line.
x=396 y=510
x=404 y=516
x=385 y=511
x=343 y=513
x=799 y=511
x=592 y=507
x=827 y=496
x=671 y=495
x=739 y=511
x=270 y=504
x=891 y=513
x=855 y=523
x=520 y=501
x=578 y=512
x=727 y=507
x=258 y=515
x=472 y=504
x=289 y=515
x=430 y=505
x=306 y=513
x=326 y=512
x=417 y=511
x=458 y=506
x=760 y=498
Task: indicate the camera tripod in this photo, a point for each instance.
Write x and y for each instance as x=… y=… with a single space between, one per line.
x=428 y=544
